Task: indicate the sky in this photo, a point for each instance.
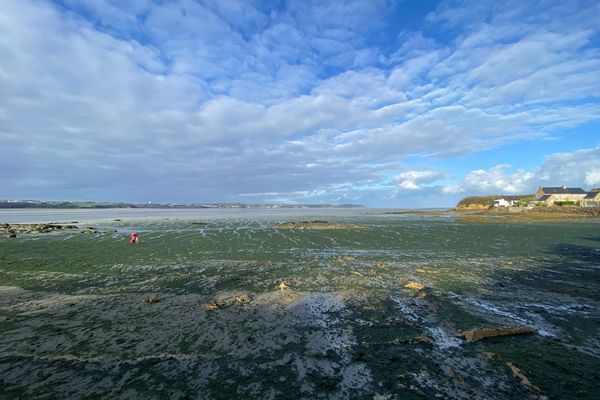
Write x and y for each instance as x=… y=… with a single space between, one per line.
x=376 y=102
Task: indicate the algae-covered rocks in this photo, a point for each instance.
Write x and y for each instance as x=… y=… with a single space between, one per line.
x=421 y=339
x=525 y=381
x=283 y=285
x=33 y=228
x=226 y=302
x=414 y=285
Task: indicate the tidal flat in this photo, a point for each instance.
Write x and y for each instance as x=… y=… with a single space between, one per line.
x=234 y=307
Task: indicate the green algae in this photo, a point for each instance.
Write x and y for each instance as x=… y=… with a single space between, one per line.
x=74 y=322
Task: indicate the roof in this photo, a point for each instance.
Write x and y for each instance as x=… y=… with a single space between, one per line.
x=544 y=197
x=562 y=190
x=507 y=198
x=591 y=195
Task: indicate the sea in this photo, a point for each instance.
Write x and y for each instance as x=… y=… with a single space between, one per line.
x=224 y=304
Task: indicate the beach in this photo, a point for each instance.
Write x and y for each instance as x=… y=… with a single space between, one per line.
x=374 y=304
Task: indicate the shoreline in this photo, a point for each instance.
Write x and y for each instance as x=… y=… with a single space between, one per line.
x=95 y=216
x=109 y=216
x=530 y=215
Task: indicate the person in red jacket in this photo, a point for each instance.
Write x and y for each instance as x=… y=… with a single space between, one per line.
x=134 y=238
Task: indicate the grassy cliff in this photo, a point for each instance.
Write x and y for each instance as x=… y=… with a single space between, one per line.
x=476 y=202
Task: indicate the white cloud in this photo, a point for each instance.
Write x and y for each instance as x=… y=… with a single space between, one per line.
x=592 y=177
x=210 y=104
x=416 y=180
x=497 y=181
x=570 y=167
x=452 y=189
x=577 y=168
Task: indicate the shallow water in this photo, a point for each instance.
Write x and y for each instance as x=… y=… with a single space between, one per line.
x=75 y=324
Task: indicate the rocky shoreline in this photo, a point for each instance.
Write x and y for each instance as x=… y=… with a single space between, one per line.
x=578 y=211
x=12 y=230
x=530 y=214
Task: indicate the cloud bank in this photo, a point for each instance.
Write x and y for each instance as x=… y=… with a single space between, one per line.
x=303 y=102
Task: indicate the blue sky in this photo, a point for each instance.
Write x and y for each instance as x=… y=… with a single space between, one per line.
x=383 y=103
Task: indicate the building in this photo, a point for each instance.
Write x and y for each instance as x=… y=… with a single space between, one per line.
x=507 y=201
x=560 y=194
x=592 y=199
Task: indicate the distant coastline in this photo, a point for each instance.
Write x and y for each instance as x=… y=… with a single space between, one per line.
x=547 y=203
x=101 y=205
x=544 y=197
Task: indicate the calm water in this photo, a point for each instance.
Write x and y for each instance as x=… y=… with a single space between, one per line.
x=75 y=324
x=83 y=215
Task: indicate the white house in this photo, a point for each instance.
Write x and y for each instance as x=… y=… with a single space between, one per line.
x=507 y=201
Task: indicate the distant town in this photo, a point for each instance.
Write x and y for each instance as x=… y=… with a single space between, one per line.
x=93 y=204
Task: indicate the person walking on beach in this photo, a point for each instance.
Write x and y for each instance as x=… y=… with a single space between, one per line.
x=134 y=238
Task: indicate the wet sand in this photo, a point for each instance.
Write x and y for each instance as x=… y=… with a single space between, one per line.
x=364 y=313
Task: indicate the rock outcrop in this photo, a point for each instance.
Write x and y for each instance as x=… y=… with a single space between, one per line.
x=478 y=334
x=422 y=339
x=475 y=203
x=525 y=381
x=414 y=285
x=226 y=302
x=13 y=229
x=152 y=300
x=472 y=207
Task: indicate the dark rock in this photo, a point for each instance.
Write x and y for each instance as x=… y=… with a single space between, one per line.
x=152 y=299
x=422 y=339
